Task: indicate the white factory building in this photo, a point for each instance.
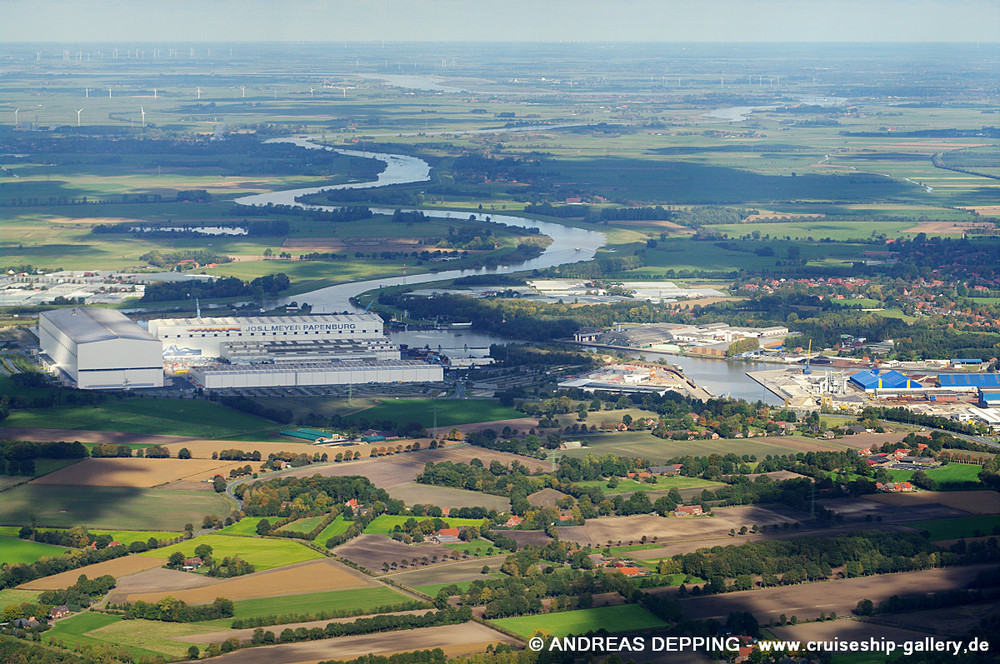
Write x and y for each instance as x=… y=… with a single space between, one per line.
x=100 y=348
x=205 y=337
x=288 y=351
x=300 y=374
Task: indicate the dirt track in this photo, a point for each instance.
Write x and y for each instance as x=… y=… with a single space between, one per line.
x=806 y=601
x=453 y=639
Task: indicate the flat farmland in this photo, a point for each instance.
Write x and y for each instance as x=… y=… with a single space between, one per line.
x=245 y=526
x=90 y=436
x=622 y=618
x=203 y=449
x=972 y=502
x=661 y=484
x=158 y=579
x=453 y=639
x=970 y=526
x=632 y=528
x=646 y=445
x=392 y=471
x=953 y=620
x=136 y=472
x=247 y=633
x=355 y=599
x=109 y=507
x=117 y=568
x=385 y=523
x=313 y=576
x=305 y=525
x=17 y=551
x=178 y=417
x=336 y=527
x=449 y=412
x=414 y=493
x=445 y=573
x=372 y=551
x=808 y=600
x=264 y=553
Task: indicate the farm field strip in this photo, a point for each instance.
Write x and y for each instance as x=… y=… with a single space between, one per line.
x=17 y=551
x=263 y=553
x=949 y=529
x=295 y=579
x=621 y=618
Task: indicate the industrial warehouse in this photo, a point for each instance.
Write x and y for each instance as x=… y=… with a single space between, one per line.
x=99 y=349
x=102 y=349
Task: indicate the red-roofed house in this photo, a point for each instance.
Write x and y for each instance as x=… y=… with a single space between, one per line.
x=513 y=521
x=352 y=503
x=688 y=510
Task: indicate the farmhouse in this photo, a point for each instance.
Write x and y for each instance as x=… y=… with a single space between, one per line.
x=447 y=536
x=59 y=612
x=688 y=510
x=513 y=522
x=894 y=487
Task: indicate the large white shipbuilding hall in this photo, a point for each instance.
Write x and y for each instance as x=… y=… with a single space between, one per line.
x=100 y=348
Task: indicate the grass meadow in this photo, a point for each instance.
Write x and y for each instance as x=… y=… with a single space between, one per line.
x=263 y=553
x=624 y=618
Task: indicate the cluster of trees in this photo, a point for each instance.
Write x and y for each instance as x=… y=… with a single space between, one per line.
x=20 y=651
x=300 y=496
x=435 y=656
x=258 y=288
x=35 y=390
x=15 y=575
x=379 y=623
x=81 y=593
x=78 y=537
x=17 y=457
x=169 y=609
x=811 y=558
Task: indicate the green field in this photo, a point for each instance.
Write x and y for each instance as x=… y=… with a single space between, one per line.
x=263 y=553
x=14 y=551
x=946 y=529
x=662 y=484
x=74 y=632
x=625 y=618
x=16 y=596
x=358 y=599
x=245 y=526
x=109 y=507
x=433 y=589
x=177 y=417
x=449 y=413
x=646 y=445
x=384 y=523
x=305 y=525
x=336 y=527
x=953 y=473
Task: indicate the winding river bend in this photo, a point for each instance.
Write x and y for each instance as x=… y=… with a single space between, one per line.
x=569 y=245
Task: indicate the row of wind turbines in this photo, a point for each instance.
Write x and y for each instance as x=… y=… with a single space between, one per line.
x=142 y=110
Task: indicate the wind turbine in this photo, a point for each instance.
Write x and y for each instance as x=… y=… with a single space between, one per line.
x=198 y=90
x=143 y=112
x=15 y=116
x=243 y=91
x=109 y=93
x=86 y=93
x=310 y=92
x=78 y=111
x=154 y=93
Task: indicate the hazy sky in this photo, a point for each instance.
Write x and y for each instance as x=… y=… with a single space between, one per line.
x=499 y=20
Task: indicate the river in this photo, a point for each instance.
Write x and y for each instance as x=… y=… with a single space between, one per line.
x=569 y=245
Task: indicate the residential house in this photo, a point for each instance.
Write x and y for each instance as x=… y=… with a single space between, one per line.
x=514 y=521
x=688 y=510
x=60 y=611
x=447 y=536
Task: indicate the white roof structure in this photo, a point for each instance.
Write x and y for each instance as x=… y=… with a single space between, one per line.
x=89 y=324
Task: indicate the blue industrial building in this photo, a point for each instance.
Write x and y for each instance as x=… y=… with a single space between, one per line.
x=873 y=379
x=969 y=380
x=989 y=397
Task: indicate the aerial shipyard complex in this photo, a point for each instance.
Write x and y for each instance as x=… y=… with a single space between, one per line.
x=104 y=349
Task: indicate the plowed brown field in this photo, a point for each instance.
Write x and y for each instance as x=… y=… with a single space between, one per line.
x=453 y=639
x=135 y=472
x=310 y=577
x=117 y=568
